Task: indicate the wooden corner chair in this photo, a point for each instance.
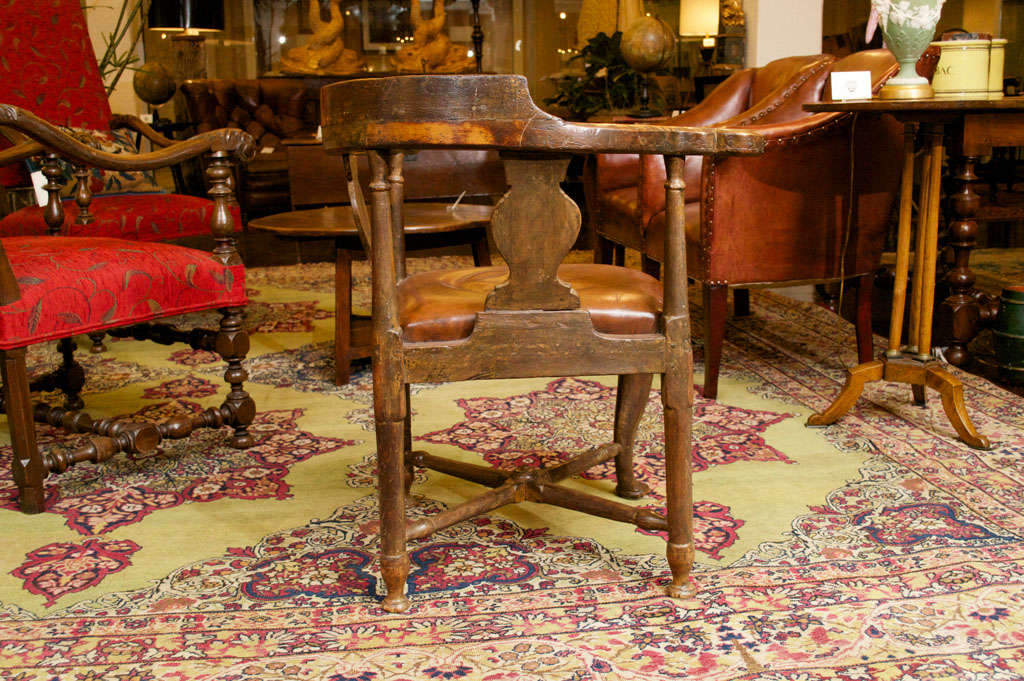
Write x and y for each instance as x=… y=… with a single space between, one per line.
x=533 y=318
x=56 y=287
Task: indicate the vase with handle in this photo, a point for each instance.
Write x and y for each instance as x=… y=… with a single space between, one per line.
x=908 y=27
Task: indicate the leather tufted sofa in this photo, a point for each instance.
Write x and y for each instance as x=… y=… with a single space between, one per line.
x=269 y=109
x=777 y=219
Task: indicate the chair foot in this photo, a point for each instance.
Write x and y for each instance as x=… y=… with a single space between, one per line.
x=241 y=439
x=31 y=499
x=632 y=490
x=680 y=561
x=395 y=571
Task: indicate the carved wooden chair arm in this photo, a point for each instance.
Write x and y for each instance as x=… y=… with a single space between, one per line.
x=236 y=144
x=135 y=123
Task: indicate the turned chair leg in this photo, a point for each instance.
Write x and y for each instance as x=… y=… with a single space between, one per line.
x=97 y=342
x=630 y=400
x=677 y=400
x=391 y=474
x=28 y=468
x=650 y=266
x=603 y=254
x=72 y=376
x=232 y=344
x=865 y=341
x=481 y=251
x=715 y=297
x=741 y=302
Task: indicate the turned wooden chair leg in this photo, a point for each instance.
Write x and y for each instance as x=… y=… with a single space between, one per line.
x=391 y=473
x=481 y=252
x=650 y=266
x=28 y=468
x=630 y=401
x=97 y=342
x=865 y=340
x=676 y=398
x=232 y=344
x=714 y=333
x=342 y=317
x=603 y=250
x=72 y=376
x=741 y=302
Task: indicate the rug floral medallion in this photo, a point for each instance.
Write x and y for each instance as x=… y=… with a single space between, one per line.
x=877 y=548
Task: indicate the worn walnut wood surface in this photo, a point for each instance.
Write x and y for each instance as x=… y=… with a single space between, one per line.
x=491 y=112
x=934 y=104
x=420 y=218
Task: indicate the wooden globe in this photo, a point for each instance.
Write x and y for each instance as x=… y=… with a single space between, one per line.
x=648 y=44
x=153 y=83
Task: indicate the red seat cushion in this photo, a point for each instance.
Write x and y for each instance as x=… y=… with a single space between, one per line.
x=138 y=217
x=73 y=285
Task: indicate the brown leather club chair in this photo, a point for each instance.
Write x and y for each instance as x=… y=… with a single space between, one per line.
x=269 y=109
x=781 y=219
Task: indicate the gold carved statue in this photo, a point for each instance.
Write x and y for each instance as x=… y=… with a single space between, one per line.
x=431 y=50
x=732 y=13
x=325 y=52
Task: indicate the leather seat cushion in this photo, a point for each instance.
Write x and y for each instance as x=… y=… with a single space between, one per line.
x=442 y=305
x=138 y=217
x=73 y=285
x=624 y=201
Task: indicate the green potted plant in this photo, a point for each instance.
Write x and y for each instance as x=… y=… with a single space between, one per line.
x=607 y=82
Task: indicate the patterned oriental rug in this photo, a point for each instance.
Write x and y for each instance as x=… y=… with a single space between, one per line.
x=878 y=548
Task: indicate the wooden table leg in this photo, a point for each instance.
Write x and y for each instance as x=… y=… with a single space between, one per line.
x=342 y=316
x=899 y=291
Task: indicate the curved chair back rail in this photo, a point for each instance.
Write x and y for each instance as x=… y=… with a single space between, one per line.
x=234 y=142
x=491 y=112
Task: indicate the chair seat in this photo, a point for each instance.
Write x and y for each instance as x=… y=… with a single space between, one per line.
x=138 y=217
x=73 y=285
x=442 y=305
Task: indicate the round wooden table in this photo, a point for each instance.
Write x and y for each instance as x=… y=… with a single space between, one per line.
x=427 y=225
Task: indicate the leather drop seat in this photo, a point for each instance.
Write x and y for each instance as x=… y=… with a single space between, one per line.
x=442 y=305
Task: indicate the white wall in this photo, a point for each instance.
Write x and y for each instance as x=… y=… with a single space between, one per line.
x=101 y=18
x=782 y=28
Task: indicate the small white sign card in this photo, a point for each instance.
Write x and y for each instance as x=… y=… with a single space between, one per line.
x=851 y=85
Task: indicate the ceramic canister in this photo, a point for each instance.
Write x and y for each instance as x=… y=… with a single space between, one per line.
x=963 y=69
x=1008 y=334
x=996 y=57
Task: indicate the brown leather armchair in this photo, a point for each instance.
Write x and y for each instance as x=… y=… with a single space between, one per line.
x=781 y=218
x=269 y=109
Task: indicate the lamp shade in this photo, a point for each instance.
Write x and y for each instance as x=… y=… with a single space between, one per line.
x=193 y=15
x=698 y=17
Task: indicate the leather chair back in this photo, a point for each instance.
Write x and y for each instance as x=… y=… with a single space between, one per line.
x=269 y=109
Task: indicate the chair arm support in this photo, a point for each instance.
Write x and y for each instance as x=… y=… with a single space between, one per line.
x=20 y=152
x=236 y=143
x=138 y=125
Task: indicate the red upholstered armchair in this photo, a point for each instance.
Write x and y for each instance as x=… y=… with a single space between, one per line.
x=49 y=68
x=781 y=218
x=56 y=287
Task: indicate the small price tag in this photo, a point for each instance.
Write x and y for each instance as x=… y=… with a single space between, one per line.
x=851 y=85
x=38 y=180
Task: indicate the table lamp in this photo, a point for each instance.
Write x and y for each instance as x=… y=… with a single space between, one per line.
x=698 y=21
x=190 y=21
